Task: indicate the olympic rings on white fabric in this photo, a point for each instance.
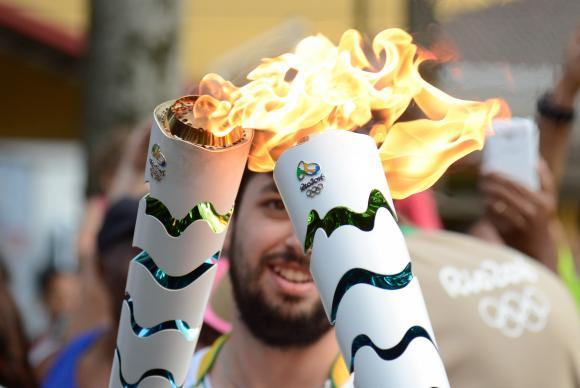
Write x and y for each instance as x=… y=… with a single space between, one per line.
x=314 y=190
x=514 y=312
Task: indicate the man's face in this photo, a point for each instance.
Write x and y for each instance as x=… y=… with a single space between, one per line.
x=273 y=288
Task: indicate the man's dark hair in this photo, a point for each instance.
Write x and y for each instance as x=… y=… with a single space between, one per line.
x=118 y=225
x=246 y=177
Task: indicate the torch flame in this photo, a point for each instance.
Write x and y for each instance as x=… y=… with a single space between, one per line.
x=211 y=111
x=321 y=86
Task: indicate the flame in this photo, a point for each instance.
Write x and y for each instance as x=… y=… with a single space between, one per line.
x=211 y=111
x=321 y=86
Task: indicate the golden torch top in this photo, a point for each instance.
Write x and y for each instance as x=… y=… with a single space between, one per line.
x=179 y=119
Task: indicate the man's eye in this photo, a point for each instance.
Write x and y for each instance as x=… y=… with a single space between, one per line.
x=274 y=204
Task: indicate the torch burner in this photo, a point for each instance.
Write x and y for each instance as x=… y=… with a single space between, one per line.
x=177 y=119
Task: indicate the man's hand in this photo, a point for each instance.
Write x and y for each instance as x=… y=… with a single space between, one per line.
x=523 y=218
x=516 y=209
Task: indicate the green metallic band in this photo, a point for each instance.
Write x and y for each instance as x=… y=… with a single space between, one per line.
x=202 y=211
x=340 y=216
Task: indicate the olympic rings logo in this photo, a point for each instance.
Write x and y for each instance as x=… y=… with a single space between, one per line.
x=514 y=312
x=314 y=190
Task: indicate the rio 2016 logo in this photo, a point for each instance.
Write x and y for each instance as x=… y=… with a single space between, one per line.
x=305 y=169
x=314 y=185
x=157 y=163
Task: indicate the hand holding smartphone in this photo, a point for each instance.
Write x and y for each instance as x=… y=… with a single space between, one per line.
x=513 y=151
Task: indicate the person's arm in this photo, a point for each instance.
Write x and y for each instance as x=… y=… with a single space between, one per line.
x=554 y=132
x=128 y=180
x=554 y=139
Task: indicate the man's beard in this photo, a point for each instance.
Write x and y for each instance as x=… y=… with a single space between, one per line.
x=268 y=323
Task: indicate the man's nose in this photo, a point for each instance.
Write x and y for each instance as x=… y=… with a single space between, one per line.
x=293 y=244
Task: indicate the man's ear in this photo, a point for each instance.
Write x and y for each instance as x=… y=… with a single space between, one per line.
x=228 y=240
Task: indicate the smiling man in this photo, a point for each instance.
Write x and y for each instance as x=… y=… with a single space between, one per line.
x=280 y=336
x=496 y=313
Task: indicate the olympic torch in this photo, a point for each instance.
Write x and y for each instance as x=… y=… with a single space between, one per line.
x=194 y=177
x=334 y=188
x=303 y=105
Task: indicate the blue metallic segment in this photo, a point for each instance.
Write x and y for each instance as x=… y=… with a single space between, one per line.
x=174 y=282
x=389 y=354
x=362 y=276
x=152 y=372
x=142 y=332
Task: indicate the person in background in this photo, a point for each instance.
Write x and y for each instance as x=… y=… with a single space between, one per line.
x=555 y=111
x=93 y=311
x=527 y=220
x=119 y=164
x=496 y=313
x=87 y=359
x=555 y=116
x=59 y=293
x=15 y=371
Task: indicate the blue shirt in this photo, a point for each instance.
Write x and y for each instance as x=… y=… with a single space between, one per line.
x=62 y=374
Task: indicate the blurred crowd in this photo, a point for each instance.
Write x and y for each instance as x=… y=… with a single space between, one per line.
x=83 y=307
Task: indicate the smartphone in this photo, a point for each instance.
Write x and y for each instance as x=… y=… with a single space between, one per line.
x=513 y=150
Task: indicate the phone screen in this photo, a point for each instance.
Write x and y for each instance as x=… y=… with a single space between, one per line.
x=513 y=151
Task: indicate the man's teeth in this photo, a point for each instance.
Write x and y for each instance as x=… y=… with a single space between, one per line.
x=292 y=275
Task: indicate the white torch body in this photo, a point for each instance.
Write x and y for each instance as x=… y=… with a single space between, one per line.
x=181 y=225
x=334 y=188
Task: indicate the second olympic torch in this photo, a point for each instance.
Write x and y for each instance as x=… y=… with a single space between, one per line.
x=181 y=225
x=335 y=190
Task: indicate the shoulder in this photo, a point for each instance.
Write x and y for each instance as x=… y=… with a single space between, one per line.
x=62 y=372
x=461 y=265
x=503 y=303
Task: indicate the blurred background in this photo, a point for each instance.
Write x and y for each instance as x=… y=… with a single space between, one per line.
x=77 y=76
